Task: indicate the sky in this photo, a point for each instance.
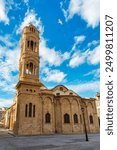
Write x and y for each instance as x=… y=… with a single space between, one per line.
x=69 y=44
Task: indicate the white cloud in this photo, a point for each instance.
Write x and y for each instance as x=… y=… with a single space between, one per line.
x=78 y=40
x=94 y=56
x=93 y=43
x=3 y=12
x=95 y=73
x=31 y=17
x=89 y=10
x=83 y=87
x=53 y=75
x=50 y=55
x=60 y=22
x=9 y=58
x=77 y=59
x=7 y=40
x=26 y=1
x=5 y=102
x=89 y=56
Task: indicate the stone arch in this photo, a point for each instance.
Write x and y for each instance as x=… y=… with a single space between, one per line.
x=30 y=67
x=90 y=107
x=48 y=115
x=63 y=100
x=65 y=103
x=47 y=99
x=75 y=106
x=90 y=103
x=91 y=116
x=47 y=105
x=83 y=104
x=75 y=100
x=31 y=43
x=65 y=108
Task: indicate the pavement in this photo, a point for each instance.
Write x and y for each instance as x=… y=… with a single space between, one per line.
x=48 y=142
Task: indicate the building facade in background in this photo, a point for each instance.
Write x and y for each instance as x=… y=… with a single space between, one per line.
x=98 y=105
x=39 y=110
x=2 y=115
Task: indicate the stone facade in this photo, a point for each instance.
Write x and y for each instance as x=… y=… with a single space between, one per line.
x=98 y=105
x=38 y=110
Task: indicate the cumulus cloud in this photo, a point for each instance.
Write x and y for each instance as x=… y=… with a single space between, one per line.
x=91 y=57
x=89 y=10
x=77 y=59
x=53 y=75
x=7 y=41
x=94 y=56
x=50 y=55
x=3 y=12
x=31 y=17
x=9 y=58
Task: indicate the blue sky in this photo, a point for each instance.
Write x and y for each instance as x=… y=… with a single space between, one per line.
x=69 y=45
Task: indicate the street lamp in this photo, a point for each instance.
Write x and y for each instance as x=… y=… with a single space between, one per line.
x=85 y=129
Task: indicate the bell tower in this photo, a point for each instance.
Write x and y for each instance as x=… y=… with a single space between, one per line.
x=28 y=86
x=29 y=58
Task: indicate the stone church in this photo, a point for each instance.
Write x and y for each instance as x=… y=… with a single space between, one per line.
x=39 y=110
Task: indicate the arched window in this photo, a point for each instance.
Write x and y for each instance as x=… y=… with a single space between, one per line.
x=91 y=119
x=33 y=110
x=30 y=69
x=75 y=118
x=26 y=110
x=30 y=109
x=47 y=118
x=66 y=118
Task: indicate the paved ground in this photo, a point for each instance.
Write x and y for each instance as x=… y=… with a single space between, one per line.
x=48 y=142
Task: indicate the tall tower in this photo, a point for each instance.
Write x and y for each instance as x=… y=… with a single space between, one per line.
x=29 y=58
x=28 y=120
